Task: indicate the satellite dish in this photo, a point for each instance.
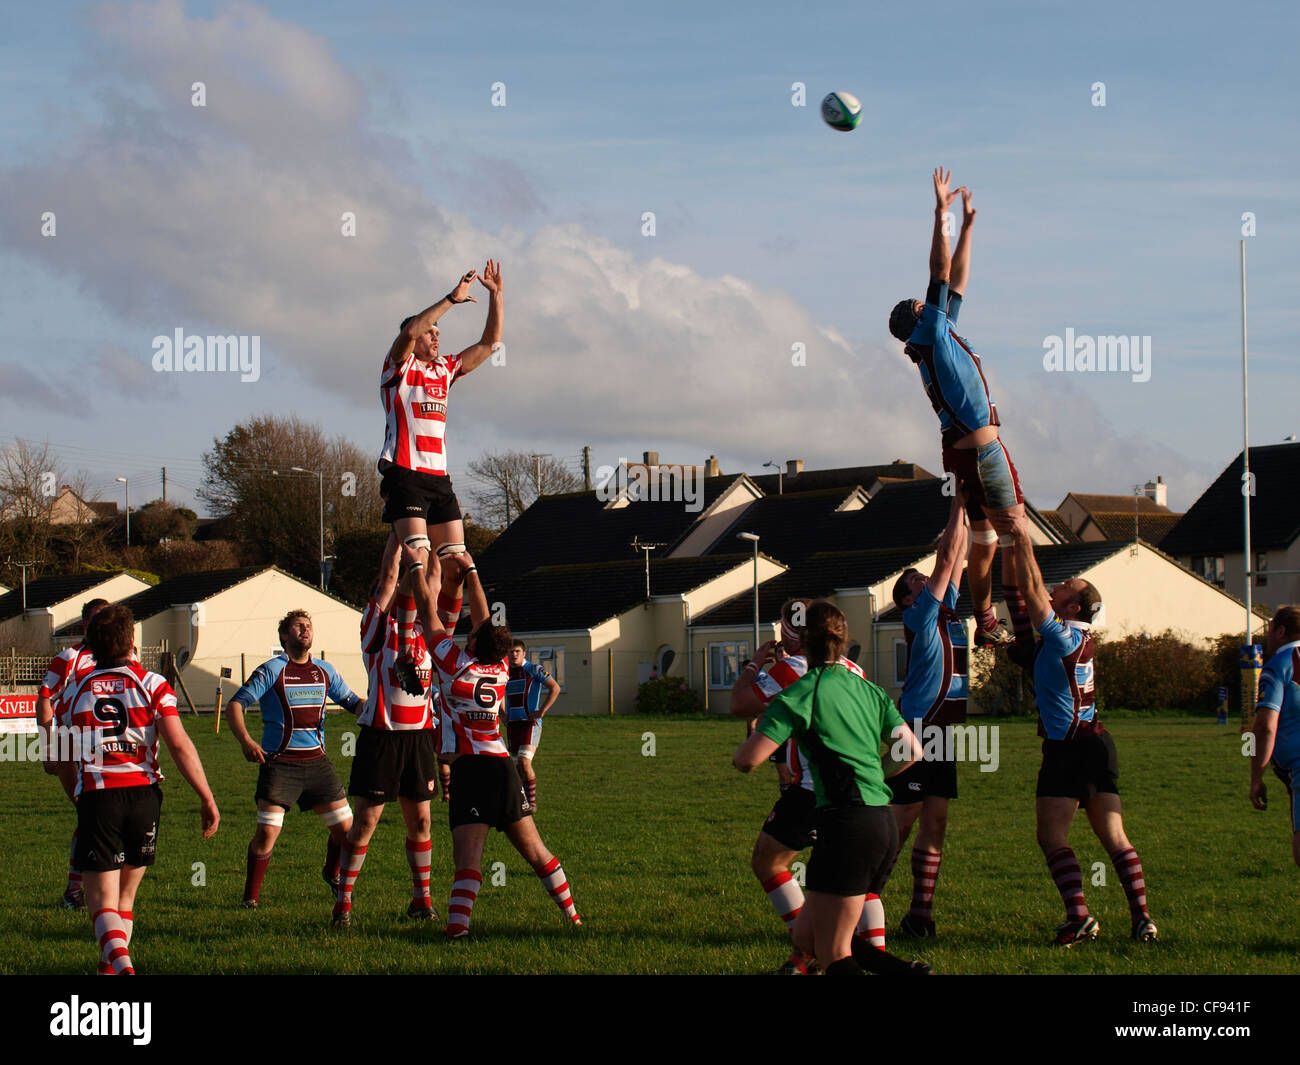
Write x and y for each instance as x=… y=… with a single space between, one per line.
x=855 y=649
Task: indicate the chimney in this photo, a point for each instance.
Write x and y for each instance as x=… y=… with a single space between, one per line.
x=650 y=458
x=793 y=467
x=1159 y=492
x=711 y=467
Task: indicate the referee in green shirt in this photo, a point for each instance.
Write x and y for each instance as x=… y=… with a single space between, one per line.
x=842 y=721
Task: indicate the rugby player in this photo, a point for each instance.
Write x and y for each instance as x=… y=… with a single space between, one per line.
x=397 y=749
x=68 y=666
x=1277 y=717
x=485 y=788
x=292 y=690
x=118 y=710
x=413 y=386
x=791 y=824
x=934 y=697
x=1080 y=766
x=841 y=719
x=968 y=418
x=525 y=711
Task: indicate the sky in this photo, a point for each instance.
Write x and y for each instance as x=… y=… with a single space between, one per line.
x=545 y=136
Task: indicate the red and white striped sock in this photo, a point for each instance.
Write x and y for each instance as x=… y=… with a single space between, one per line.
x=1064 y=867
x=553 y=879
x=350 y=860
x=925 y=874
x=449 y=609
x=1129 y=867
x=128 y=923
x=419 y=856
x=253 y=877
x=463 y=893
x=112 y=942
x=74 y=874
x=785 y=895
x=871 y=924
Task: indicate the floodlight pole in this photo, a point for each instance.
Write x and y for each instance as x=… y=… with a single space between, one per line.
x=320 y=476
x=1246 y=486
x=753 y=538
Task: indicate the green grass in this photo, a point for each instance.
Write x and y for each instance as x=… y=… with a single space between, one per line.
x=657 y=852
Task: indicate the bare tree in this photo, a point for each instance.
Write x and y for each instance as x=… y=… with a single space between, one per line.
x=29 y=485
x=518 y=476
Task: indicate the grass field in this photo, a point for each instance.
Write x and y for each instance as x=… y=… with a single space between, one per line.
x=657 y=851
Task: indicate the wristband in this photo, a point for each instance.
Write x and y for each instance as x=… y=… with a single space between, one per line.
x=453 y=300
x=472 y=569
x=415 y=565
x=754 y=666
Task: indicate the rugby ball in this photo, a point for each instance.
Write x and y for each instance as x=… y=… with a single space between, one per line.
x=841 y=111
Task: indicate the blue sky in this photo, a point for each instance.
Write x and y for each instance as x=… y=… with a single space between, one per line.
x=771 y=229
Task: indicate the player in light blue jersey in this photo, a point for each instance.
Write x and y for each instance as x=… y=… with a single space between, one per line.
x=1277 y=717
x=933 y=698
x=293 y=767
x=953 y=378
x=530 y=692
x=1080 y=766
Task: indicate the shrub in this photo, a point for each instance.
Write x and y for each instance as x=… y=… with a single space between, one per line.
x=998 y=686
x=1146 y=672
x=666 y=695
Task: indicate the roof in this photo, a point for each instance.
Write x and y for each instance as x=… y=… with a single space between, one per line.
x=843 y=477
x=582 y=596
x=188 y=588
x=818 y=576
x=787 y=525
x=1118 y=525
x=104 y=510
x=1092 y=504
x=49 y=590
x=1213 y=525
x=579 y=528
x=1060 y=526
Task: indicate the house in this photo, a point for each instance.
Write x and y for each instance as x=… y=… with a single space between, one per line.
x=69 y=508
x=54 y=602
x=1144 y=516
x=1209 y=538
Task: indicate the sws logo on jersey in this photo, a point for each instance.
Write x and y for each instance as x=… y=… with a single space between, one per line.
x=108 y=686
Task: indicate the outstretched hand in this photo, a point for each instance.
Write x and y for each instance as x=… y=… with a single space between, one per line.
x=490 y=279
x=967 y=210
x=460 y=294
x=943 y=197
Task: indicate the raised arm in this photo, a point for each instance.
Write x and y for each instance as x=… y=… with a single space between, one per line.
x=961 y=256
x=940 y=257
x=474 y=355
x=745 y=701
x=390 y=569
x=425 y=600
x=952 y=549
x=1029 y=575
x=427 y=319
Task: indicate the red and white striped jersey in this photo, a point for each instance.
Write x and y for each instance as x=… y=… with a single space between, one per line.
x=69 y=665
x=115 y=714
x=779 y=676
x=473 y=698
x=414 y=396
x=387 y=705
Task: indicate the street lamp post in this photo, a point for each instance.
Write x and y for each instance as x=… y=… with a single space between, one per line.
x=320 y=477
x=778 y=475
x=123 y=480
x=753 y=538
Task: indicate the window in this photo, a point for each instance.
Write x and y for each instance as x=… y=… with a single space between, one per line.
x=900 y=661
x=725 y=662
x=1210 y=567
x=1261 y=569
x=550 y=659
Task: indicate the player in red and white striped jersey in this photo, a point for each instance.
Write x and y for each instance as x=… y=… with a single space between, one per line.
x=790 y=826
x=485 y=788
x=414 y=384
x=70 y=664
x=117 y=712
x=397 y=752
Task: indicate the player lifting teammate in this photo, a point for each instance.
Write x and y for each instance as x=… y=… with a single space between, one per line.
x=525 y=711
x=485 y=788
x=968 y=419
x=397 y=750
x=67 y=667
x=414 y=383
x=1080 y=766
x=118 y=710
x=791 y=825
x=934 y=697
x=292 y=764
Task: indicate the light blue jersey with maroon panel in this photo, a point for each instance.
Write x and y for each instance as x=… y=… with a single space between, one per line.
x=937 y=685
x=950 y=369
x=292 y=697
x=1064 y=680
x=524 y=691
x=1280 y=693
